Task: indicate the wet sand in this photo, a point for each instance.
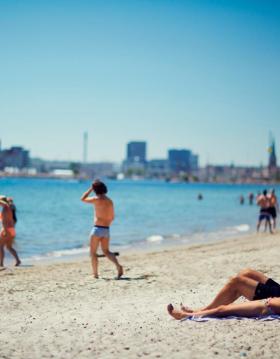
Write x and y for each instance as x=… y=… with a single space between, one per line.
x=61 y=311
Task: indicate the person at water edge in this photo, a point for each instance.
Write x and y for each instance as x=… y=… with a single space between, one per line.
x=241 y=199
x=8 y=233
x=104 y=216
x=263 y=202
x=262 y=292
x=273 y=207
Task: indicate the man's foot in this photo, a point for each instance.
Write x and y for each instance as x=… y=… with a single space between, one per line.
x=18 y=263
x=177 y=314
x=186 y=309
x=120 y=272
x=95 y=276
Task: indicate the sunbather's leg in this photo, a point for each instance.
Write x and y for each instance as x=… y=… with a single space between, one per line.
x=253 y=274
x=236 y=287
x=247 y=309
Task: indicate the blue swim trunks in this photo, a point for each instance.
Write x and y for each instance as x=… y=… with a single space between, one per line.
x=100 y=231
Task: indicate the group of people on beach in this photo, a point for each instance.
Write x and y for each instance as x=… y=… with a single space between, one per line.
x=269 y=207
x=263 y=293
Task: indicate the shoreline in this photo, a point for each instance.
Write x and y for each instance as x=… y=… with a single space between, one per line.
x=165 y=243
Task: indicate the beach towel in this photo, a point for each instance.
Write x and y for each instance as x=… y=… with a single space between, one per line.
x=263 y=318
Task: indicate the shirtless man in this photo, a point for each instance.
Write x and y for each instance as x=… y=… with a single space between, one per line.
x=104 y=216
x=8 y=233
x=273 y=207
x=263 y=202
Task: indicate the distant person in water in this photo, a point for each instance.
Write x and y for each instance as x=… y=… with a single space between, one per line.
x=273 y=207
x=263 y=202
x=104 y=216
x=262 y=292
x=251 y=198
x=200 y=197
x=8 y=232
x=241 y=199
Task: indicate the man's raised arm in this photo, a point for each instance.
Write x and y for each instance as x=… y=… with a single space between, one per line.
x=85 y=197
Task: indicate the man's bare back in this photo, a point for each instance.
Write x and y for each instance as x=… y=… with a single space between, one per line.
x=104 y=211
x=263 y=201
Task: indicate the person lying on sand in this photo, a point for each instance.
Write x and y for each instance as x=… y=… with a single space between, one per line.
x=100 y=234
x=249 y=283
x=8 y=233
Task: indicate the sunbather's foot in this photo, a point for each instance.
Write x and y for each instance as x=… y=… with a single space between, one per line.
x=186 y=309
x=177 y=314
x=18 y=263
x=120 y=272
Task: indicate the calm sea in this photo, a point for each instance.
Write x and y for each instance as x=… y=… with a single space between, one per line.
x=52 y=222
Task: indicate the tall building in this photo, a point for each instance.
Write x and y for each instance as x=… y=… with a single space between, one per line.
x=272 y=161
x=136 y=152
x=179 y=160
x=16 y=157
x=136 y=158
x=182 y=161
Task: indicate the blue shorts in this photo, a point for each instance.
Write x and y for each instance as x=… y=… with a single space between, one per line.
x=100 y=231
x=264 y=216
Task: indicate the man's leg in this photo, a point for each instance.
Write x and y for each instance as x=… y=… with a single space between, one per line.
x=94 y=243
x=258 y=225
x=110 y=255
x=2 y=254
x=274 y=223
x=268 y=221
x=253 y=274
x=236 y=287
x=14 y=254
x=247 y=309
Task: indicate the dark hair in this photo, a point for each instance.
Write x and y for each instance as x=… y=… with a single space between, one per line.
x=265 y=192
x=99 y=187
x=12 y=207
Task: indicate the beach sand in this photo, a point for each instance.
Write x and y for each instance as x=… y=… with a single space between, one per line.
x=60 y=311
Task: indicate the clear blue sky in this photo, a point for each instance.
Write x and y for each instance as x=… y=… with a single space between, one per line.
x=198 y=74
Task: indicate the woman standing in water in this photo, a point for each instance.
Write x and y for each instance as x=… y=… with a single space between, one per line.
x=8 y=233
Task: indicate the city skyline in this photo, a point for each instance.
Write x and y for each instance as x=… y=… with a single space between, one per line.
x=200 y=75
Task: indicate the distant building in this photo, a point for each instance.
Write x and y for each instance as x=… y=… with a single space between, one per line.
x=272 y=161
x=157 y=168
x=14 y=157
x=136 y=152
x=194 y=162
x=182 y=161
x=136 y=157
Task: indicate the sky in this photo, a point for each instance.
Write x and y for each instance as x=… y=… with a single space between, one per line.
x=196 y=74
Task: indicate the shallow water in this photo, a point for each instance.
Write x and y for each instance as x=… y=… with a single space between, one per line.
x=52 y=221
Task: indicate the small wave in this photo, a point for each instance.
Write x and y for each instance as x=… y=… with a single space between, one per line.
x=242 y=228
x=155 y=238
x=60 y=253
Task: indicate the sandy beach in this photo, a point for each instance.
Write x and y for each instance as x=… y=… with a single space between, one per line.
x=60 y=311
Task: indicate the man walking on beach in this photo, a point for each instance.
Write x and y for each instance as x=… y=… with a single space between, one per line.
x=273 y=207
x=104 y=216
x=263 y=202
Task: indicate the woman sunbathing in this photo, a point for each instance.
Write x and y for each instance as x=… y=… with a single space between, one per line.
x=253 y=285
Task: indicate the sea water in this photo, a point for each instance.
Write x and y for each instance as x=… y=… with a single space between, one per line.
x=53 y=222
